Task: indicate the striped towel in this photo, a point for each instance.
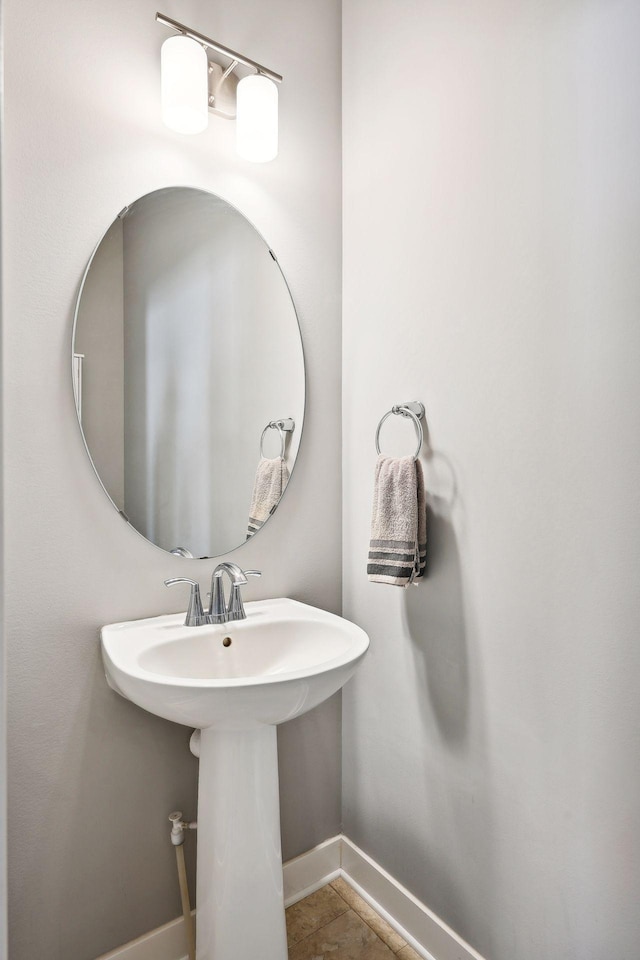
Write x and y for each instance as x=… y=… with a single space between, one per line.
x=272 y=476
x=398 y=547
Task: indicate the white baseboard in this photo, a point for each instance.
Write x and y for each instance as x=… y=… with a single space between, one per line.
x=164 y=943
x=430 y=936
x=311 y=870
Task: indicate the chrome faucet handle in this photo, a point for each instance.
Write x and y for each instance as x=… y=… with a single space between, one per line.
x=195 y=614
x=236 y=607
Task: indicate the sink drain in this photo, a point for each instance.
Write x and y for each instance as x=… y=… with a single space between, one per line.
x=226 y=642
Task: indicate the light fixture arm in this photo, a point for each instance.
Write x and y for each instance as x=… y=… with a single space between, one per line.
x=230 y=69
x=236 y=58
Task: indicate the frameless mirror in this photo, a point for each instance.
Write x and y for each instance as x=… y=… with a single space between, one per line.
x=188 y=372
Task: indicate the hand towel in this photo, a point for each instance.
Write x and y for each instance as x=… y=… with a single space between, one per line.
x=398 y=548
x=272 y=476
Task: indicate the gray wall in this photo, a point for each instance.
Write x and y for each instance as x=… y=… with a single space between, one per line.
x=92 y=778
x=491 y=203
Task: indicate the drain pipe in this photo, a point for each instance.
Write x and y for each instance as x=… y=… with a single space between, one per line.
x=178 y=827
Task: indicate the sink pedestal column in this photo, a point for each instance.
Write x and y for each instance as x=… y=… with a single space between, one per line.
x=240 y=906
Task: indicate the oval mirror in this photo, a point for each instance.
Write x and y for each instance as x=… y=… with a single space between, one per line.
x=188 y=372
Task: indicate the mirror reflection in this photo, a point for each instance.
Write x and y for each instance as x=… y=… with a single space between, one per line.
x=188 y=372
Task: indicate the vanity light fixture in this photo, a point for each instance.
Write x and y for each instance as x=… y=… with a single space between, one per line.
x=192 y=86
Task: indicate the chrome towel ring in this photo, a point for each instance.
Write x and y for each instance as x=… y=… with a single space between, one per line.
x=286 y=425
x=415 y=411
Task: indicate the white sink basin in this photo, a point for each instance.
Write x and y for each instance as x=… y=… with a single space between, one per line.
x=284 y=659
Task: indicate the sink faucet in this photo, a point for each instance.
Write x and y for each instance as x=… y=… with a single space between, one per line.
x=219 y=611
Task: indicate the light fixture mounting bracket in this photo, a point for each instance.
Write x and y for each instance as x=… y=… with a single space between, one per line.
x=222 y=90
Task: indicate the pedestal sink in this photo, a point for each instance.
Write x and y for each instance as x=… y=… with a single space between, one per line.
x=236 y=681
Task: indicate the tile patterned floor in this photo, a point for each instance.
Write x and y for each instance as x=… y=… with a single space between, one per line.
x=335 y=923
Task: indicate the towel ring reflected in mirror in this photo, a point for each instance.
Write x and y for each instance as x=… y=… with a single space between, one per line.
x=283 y=427
x=415 y=411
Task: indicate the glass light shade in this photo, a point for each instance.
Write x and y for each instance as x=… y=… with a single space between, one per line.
x=257 y=119
x=184 y=85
